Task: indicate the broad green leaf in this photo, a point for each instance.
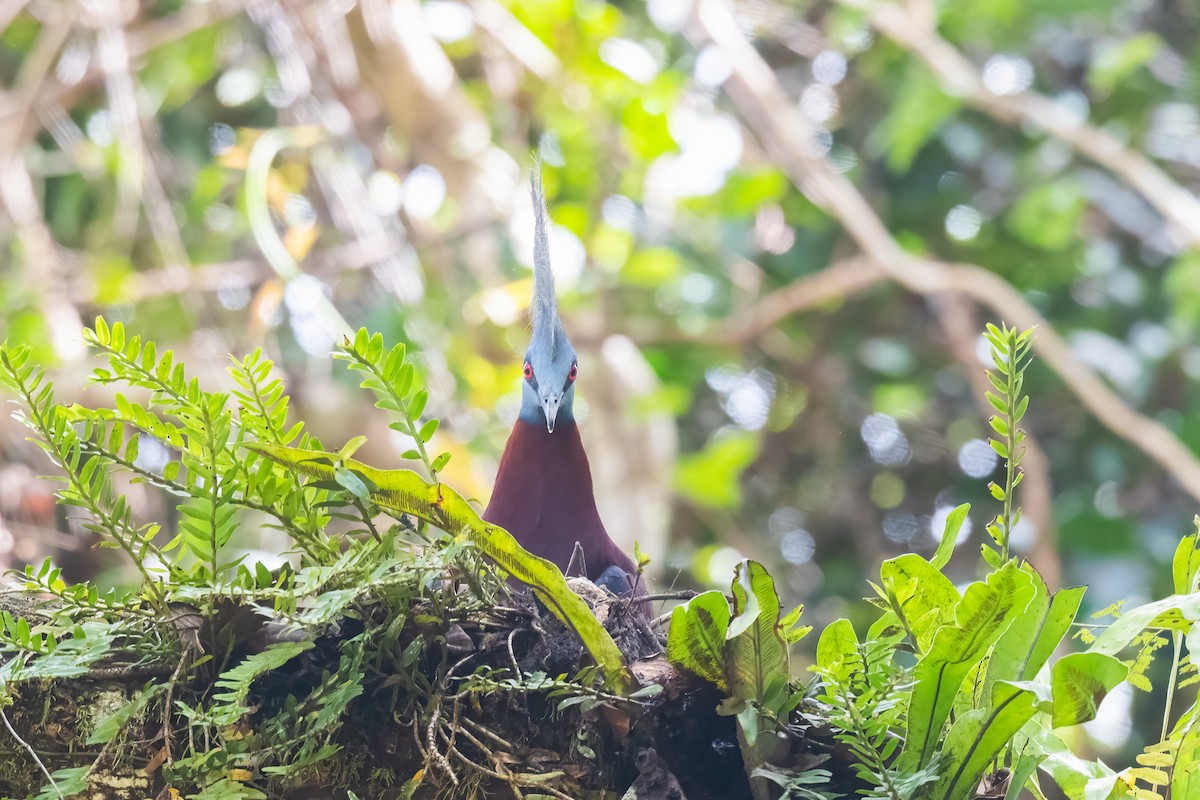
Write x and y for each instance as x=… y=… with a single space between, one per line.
x=926 y=597
x=983 y=614
x=1031 y=639
x=1026 y=764
x=351 y=483
x=1176 y=612
x=405 y=492
x=977 y=737
x=1079 y=682
x=1080 y=779
x=756 y=657
x=696 y=639
x=68 y=782
x=838 y=643
x=756 y=664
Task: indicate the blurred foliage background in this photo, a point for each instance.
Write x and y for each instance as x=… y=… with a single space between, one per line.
x=756 y=378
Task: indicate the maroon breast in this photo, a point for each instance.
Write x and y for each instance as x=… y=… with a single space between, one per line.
x=543 y=497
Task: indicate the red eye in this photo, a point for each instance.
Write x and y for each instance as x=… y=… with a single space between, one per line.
x=528 y=371
x=574 y=373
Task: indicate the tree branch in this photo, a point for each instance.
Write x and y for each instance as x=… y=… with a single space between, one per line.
x=14 y=122
x=789 y=138
x=962 y=79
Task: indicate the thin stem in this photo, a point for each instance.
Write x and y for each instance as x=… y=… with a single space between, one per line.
x=1166 y=722
x=214 y=499
x=1010 y=469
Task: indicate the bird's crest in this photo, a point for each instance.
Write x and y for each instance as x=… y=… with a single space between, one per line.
x=547 y=327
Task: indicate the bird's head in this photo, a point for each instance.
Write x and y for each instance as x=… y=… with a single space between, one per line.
x=550 y=368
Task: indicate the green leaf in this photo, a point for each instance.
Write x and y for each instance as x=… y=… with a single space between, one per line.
x=925 y=596
x=107 y=728
x=234 y=683
x=977 y=737
x=999 y=425
x=352 y=484
x=711 y=478
x=405 y=492
x=1078 y=778
x=1114 y=61
x=954 y=523
x=1185 y=767
x=838 y=643
x=756 y=664
x=428 y=430
x=983 y=614
x=417 y=406
x=1079 y=682
x=68 y=782
x=793 y=631
x=1030 y=641
x=696 y=638
x=756 y=657
x=1186 y=563
x=351 y=447
x=1048 y=216
x=73 y=656
x=1177 y=612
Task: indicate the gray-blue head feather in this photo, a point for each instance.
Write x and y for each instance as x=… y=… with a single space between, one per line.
x=548 y=389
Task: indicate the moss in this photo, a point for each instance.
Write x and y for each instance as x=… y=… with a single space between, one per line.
x=102 y=704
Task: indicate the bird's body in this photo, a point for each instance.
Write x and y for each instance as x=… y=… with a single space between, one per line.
x=543 y=492
x=543 y=496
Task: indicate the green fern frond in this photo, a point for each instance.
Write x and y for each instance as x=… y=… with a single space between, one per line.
x=1010 y=355
x=392 y=378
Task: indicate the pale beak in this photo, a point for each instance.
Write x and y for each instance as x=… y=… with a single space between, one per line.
x=550 y=408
